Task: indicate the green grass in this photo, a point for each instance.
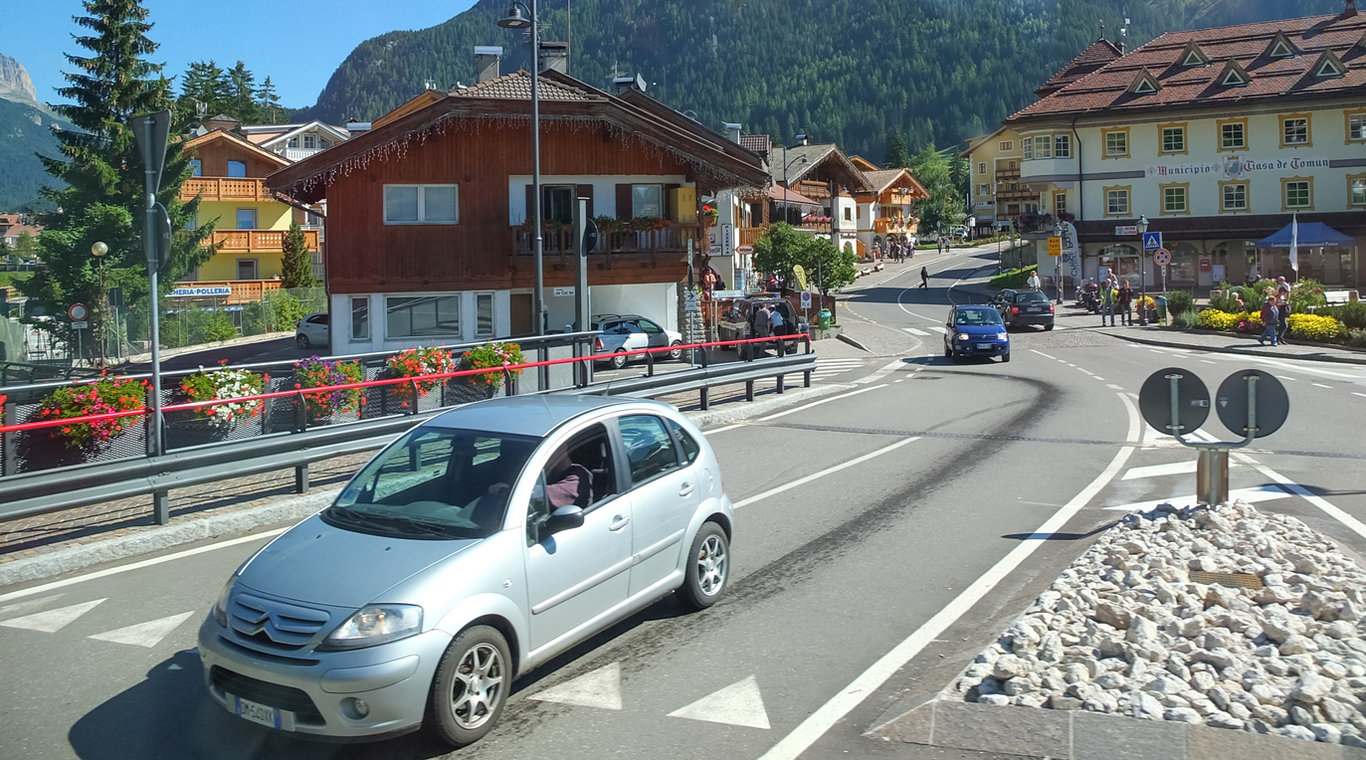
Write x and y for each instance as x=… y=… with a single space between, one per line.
x=7 y=279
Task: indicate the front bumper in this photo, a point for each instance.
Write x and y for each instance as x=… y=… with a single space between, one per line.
x=320 y=693
x=979 y=348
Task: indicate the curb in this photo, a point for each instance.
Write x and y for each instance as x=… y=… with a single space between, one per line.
x=1082 y=735
x=288 y=509
x=845 y=338
x=1236 y=351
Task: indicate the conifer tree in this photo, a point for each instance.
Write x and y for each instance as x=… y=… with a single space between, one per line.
x=102 y=195
x=242 y=94
x=297 y=267
x=898 y=155
x=268 y=102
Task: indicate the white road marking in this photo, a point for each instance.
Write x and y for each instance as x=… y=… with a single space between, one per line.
x=1363 y=395
x=822 y=473
x=1114 y=387
x=1159 y=470
x=1353 y=524
x=147 y=634
x=52 y=620
x=30 y=604
x=1207 y=361
x=1250 y=495
x=599 y=688
x=814 y=403
x=916 y=331
x=824 y=718
x=892 y=366
x=137 y=565
x=1321 y=385
x=1046 y=356
x=739 y=704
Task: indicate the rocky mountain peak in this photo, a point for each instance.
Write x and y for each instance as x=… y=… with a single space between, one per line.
x=14 y=81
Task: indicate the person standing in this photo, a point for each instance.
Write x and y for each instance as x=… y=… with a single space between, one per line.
x=1033 y=282
x=1107 y=302
x=1270 y=319
x=1125 y=297
x=1282 y=316
x=924 y=277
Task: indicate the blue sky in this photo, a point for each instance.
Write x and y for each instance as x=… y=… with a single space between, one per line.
x=316 y=34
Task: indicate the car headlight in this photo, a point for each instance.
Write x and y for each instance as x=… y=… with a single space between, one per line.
x=964 y=336
x=1002 y=336
x=376 y=624
x=220 y=607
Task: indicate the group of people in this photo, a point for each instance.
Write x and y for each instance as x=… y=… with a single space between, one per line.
x=1116 y=299
x=1275 y=313
x=900 y=250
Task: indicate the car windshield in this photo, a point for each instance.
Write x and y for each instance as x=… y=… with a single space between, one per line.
x=977 y=317
x=434 y=483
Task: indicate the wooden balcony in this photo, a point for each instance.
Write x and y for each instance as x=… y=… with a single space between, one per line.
x=750 y=234
x=257 y=241
x=1007 y=174
x=225 y=189
x=243 y=291
x=1005 y=196
x=670 y=240
x=895 y=226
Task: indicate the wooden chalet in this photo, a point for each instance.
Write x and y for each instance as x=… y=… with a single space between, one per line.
x=428 y=211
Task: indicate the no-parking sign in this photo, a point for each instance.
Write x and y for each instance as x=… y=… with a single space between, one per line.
x=1162 y=257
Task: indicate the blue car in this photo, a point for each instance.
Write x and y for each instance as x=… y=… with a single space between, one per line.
x=976 y=331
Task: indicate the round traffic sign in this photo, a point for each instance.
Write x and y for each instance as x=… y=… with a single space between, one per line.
x=1271 y=404
x=1162 y=257
x=1192 y=401
x=77 y=312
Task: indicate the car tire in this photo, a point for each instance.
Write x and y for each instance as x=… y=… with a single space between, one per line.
x=708 y=570
x=1048 y=326
x=1005 y=357
x=302 y=341
x=948 y=352
x=618 y=360
x=675 y=353
x=470 y=687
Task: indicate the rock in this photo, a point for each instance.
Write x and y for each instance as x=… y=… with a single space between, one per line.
x=1293 y=731
x=1182 y=715
x=1219 y=658
x=1074 y=672
x=1301 y=716
x=1058 y=702
x=1110 y=646
x=1297 y=645
x=1113 y=614
x=994 y=699
x=1239 y=711
x=1265 y=694
x=1202 y=682
x=1142 y=632
x=1341 y=629
x=1102 y=702
x=1144 y=705
x=1336 y=711
x=1113 y=681
x=1224 y=720
x=1279 y=629
x=1009 y=666
x=1326 y=733
x=1311 y=688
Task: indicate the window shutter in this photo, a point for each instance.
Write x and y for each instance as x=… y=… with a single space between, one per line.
x=586 y=191
x=624 y=201
x=530 y=203
x=671 y=202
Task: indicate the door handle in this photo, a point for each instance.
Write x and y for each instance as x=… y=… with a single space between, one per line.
x=618 y=522
x=686 y=490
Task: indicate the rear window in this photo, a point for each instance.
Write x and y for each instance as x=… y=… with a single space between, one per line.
x=1031 y=297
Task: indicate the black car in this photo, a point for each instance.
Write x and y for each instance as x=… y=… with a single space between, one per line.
x=1025 y=307
x=740 y=322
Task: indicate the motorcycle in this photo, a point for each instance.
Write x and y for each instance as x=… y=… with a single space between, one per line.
x=1089 y=296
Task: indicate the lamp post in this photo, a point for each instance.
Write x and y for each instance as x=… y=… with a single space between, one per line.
x=1142 y=277
x=515 y=20
x=98 y=249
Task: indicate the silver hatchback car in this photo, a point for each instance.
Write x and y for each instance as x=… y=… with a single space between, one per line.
x=475 y=547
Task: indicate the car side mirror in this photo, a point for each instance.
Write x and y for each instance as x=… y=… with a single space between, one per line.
x=564 y=518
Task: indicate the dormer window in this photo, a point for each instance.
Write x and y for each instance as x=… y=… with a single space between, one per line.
x=1329 y=66
x=1194 y=56
x=1234 y=75
x=1280 y=47
x=1144 y=84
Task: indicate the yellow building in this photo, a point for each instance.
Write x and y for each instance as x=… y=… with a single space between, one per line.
x=996 y=194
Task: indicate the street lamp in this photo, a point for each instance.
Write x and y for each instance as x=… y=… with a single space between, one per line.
x=98 y=249
x=515 y=20
x=1142 y=277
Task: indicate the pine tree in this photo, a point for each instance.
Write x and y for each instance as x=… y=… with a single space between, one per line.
x=242 y=94
x=268 y=102
x=102 y=171
x=944 y=207
x=204 y=91
x=298 y=262
x=898 y=155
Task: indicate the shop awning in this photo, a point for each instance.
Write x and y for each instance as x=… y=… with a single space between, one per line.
x=791 y=197
x=1310 y=235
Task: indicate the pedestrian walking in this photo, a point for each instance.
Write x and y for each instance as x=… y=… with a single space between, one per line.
x=1125 y=297
x=924 y=277
x=1107 y=302
x=1033 y=282
x=1270 y=319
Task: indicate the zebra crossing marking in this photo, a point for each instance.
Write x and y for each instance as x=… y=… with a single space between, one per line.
x=147 y=634
x=51 y=621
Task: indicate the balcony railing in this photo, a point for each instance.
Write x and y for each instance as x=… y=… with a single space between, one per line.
x=243 y=291
x=1008 y=173
x=893 y=225
x=1017 y=195
x=225 y=189
x=672 y=239
x=257 y=241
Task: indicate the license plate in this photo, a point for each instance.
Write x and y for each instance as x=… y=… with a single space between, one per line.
x=1035 y=308
x=986 y=346
x=263 y=714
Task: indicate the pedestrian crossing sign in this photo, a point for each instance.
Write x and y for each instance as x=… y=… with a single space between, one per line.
x=1152 y=241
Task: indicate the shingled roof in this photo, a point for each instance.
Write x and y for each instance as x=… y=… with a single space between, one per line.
x=1184 y=80
x=1096 y=55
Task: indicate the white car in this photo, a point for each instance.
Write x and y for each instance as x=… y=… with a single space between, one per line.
x=632 y=332
x=312 y=331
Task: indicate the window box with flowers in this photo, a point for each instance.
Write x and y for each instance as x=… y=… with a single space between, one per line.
x=490 y=356
x=709 y=216
x=417 y=363
x=204 y=424
x=316 y=372
x=76 y=442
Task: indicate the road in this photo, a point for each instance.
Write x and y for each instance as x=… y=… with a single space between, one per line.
x=884 y=535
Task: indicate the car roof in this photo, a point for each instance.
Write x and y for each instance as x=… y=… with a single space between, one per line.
x=535 y=415
x=975 y=307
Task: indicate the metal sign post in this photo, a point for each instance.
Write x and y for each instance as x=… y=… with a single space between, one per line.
x=151 y=132
x=1250 y=403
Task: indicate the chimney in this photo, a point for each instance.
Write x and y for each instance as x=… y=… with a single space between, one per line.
x=486 y=60
x=354 y=127
x=1350 y=9
x=622 y=84
x=555 y=57
x=732 y=131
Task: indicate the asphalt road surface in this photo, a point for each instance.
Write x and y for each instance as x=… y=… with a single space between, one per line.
x=884 y=534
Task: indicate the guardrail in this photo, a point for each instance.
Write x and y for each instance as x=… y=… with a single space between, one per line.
x=46 y=491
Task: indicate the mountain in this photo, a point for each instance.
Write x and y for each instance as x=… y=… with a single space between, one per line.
x=844 y=71
x=25 y=130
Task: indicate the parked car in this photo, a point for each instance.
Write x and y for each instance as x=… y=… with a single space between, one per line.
x=632 y=332
x=474 y=548
x=1025 y=307
x=975 y=330
x=740 y=320
x=312 y=331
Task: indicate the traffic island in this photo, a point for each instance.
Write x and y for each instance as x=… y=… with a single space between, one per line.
x=1181 y=633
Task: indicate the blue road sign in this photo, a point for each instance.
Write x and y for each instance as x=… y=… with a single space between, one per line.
x=1152 y=241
